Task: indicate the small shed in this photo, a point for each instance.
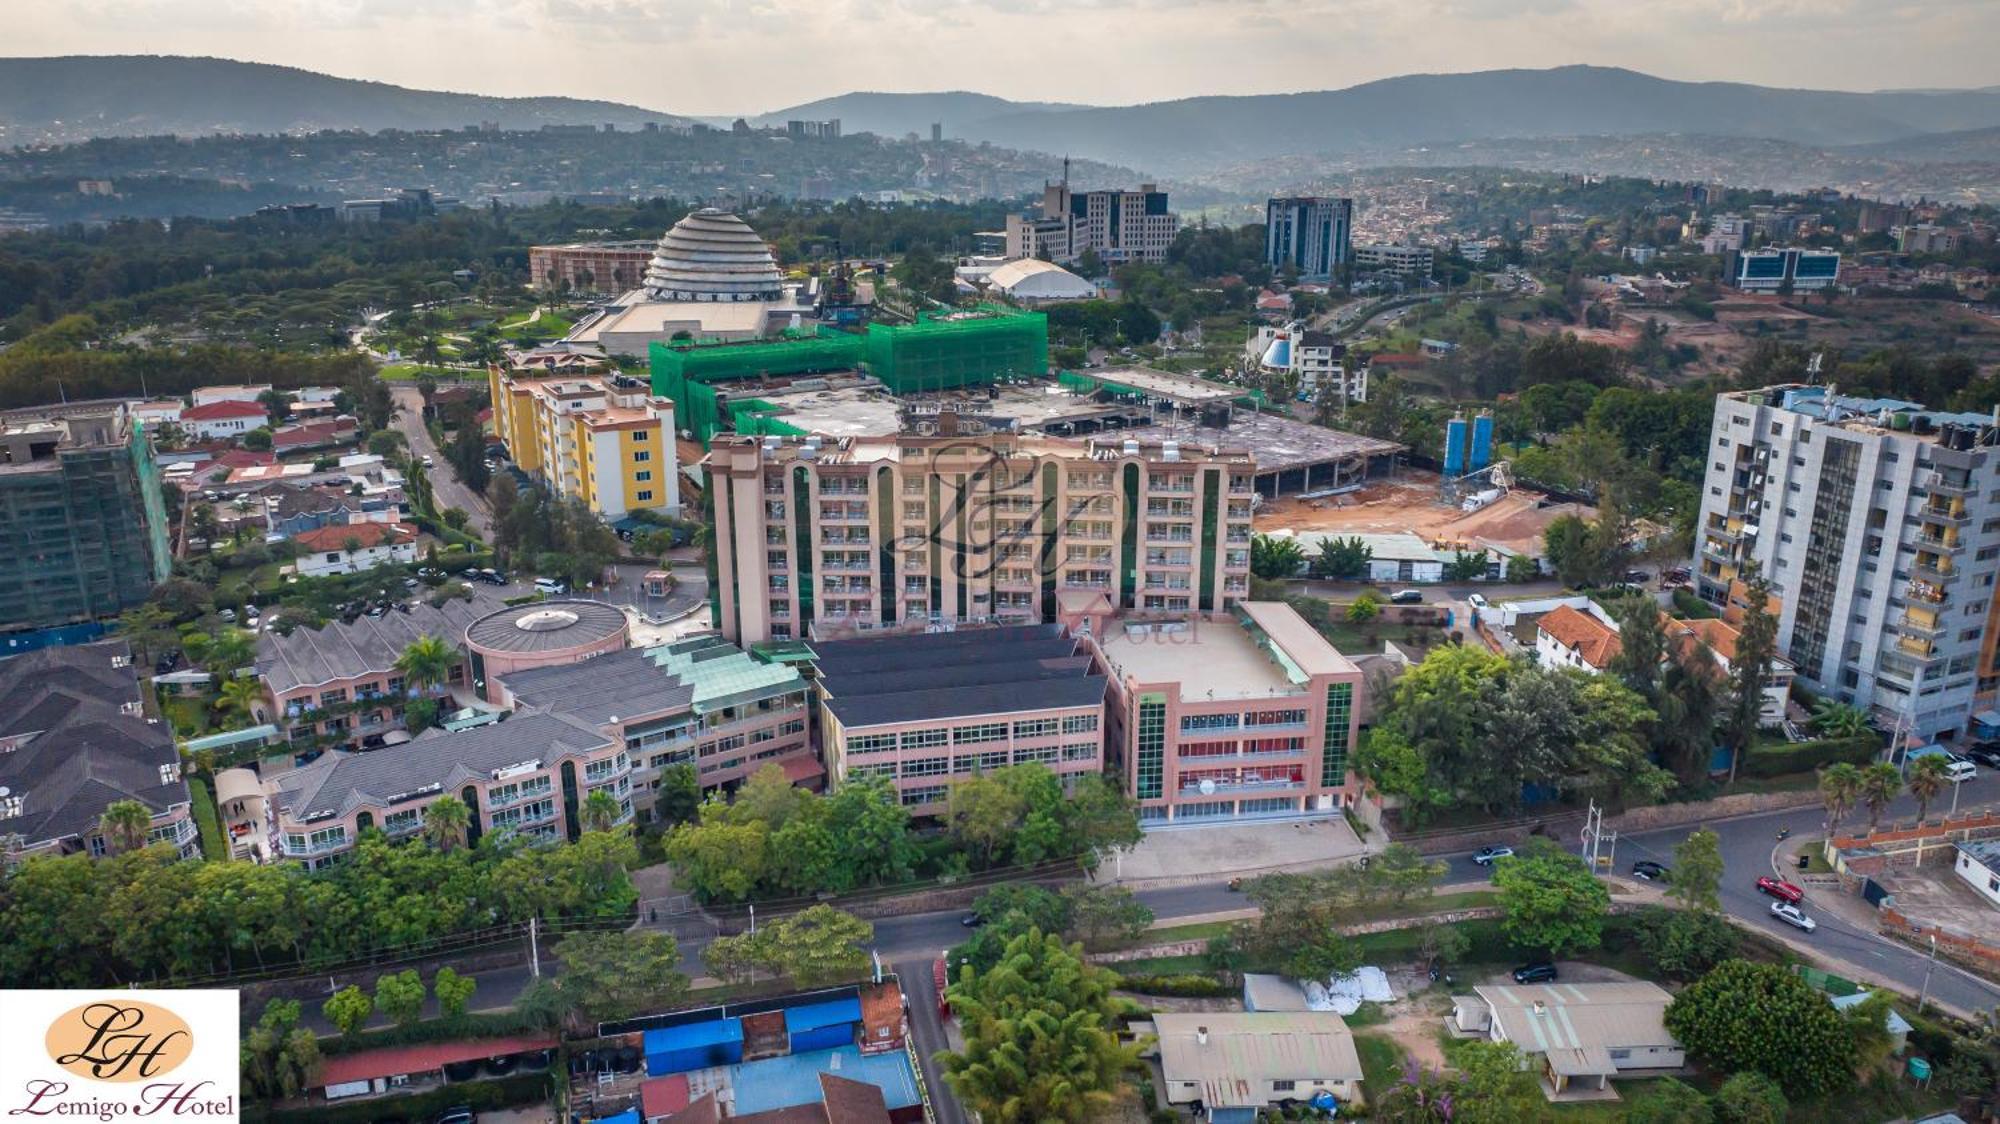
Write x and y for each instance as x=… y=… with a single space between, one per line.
x=1898 y=1026
x=678 y=1049
x=823 y=1026
x=1263 y=992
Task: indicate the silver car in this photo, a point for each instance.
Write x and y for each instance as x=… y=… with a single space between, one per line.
x=1793 y=915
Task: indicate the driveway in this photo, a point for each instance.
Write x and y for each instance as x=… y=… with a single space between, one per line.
x=445 y=487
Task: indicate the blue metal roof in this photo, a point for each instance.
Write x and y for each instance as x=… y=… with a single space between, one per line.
x=714 y=1032
x=815 y=1015
x=776 y=1083
x=629 y=1116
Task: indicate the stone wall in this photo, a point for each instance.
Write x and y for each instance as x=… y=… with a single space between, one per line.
x=1971 y=951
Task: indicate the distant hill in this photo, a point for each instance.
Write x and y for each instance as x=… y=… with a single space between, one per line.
x=81 y=96
x=1963 y=145
x=894 y=115
x=1193 y=135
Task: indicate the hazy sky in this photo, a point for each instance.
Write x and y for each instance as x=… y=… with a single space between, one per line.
x=735 y=56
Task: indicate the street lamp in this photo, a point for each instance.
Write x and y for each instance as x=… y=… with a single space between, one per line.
x=1928 y=968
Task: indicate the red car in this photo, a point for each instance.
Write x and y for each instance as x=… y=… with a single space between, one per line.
x=1784 y=891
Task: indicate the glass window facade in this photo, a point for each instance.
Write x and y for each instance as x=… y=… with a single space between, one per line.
x=1151 y=759
x=1333 y=758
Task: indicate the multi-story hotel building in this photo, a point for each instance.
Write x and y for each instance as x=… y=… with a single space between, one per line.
x=339 y=685
x=1119 y=226
x=607 y=441
x=590 y=267
x=530 y=775
x=1877 y=523
x=1311 y=234
x=927 y=710
x=1227 y=715
x=953 y=522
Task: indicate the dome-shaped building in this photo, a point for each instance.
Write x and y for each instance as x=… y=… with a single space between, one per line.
x=712 y=255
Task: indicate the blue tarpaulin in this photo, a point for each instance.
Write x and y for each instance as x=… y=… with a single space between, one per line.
x=677 y=1049
x=823 y=1026
x=629 y=1116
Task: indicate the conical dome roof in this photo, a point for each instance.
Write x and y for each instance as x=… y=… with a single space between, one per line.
x=712 y=255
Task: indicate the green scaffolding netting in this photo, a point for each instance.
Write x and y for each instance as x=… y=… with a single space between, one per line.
x=960 y=348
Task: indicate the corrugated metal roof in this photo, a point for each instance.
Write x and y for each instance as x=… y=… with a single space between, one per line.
x=1541 y=1018
x=1245 y=1049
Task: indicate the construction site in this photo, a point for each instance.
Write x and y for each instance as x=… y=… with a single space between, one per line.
x=1408 y=502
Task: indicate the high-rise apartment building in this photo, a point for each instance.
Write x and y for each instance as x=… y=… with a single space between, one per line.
x=955 y=522
x=605 y=440
x=83 y=532
x=590 y=267
x=1877 y=523
x=1119 y=226
x=1780 y=268
x=1310 y=234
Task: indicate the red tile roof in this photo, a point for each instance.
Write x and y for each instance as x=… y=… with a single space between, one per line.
x=663 y=1096
x=335 y=537
x=1584 y=634
x=227 y=409
x=367 y=1065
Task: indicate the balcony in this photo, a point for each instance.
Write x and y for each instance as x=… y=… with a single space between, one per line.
x=1933 y=568
x=541 y=793
x=1220 y=788
x=1949 y=543
x=1917 y=648
x=1941 y=484
x=1924 y=626
x=1952 y=515
x=323 y=847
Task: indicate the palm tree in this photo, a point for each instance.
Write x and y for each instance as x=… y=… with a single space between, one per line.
x=1927 y=779
x=125 y=826
x=1839 y=788
x=600 y=811
x=427 y=661
x=445 y=822
x=240 y=697
x=1832 y=719
x=1879 y=784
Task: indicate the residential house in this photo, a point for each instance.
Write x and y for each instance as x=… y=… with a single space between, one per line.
x=1978 y=866
x=1720 y=637
x=354 y=547
x=327 y=434
x=340 y=682
x=1567 y=637
x=1238 y=1064
x=1578 y=1036
x=226 y=418
x=74 y=741
x=248 y=392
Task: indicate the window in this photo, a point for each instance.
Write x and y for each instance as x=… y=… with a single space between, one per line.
x=641 y=455
x=1150 y=761
x=642 y=435
x=645 y=497
x=918 y=739
x=927 y=767
x=643 y=475
x=1036 y=728
x=1286 y=1085
x=1080 y=724
x=871 y=743
x=1079 y=751
x=984 y=732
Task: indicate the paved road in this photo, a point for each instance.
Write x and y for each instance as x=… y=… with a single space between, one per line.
x=445 y=488
x=927 y=1029
x=1748 y=843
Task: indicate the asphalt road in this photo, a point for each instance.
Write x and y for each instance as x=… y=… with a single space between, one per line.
x=445 y=487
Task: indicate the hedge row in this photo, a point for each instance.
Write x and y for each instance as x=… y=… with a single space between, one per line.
x=1183 y=986
x=472 y=1024
x=1779 y=760
x=482 y=1096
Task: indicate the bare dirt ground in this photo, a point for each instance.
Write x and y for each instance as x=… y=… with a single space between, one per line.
x=1409 y=503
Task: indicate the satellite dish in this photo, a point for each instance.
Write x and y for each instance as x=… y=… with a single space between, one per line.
x=1207 y=787
x=5 y=792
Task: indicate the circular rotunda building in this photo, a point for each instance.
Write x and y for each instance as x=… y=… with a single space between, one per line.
x=541 y=634
x=712 y=255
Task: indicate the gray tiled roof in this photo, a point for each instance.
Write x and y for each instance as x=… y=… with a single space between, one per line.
x=340 y=781
x=87 y=752
x=625 y=684
x=545 y=626
x=311 y=656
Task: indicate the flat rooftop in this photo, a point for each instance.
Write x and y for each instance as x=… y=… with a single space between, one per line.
x=864 y=409
x=919 y=677
x=1280 y=444
x=1210 y=657
x=1167 y=384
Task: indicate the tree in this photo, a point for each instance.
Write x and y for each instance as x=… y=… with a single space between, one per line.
x=1880 y=783
x=1868 y=1030
x=1549 y=900
x=348 y=1009
x=280 y=1058
x=1466 y=566
x=616 y=975
x=818 y=947
x=1670 y=1102
x=679 y=796
x=426 y=662
x=239 y=697
x=982 y=813
x=1099 y=914
x=446 y=821
x=1521 y=568
x=734 y=959
x=1363 y=610
x=1839 y=789
x=1040 y=1044
x=257 y=440
x=124 y=826
x=1696 y=879
x=1342 y=559
x=1749 y=668
x=1751 y=1098
x=454 y=517
x=600 y=811
x=1274 y=558
x=386 y=443
x=1832 y=718
x=453 y=992
x=1498 y=1085
x=1762 y=1017
x=400 y=995
x=1926 y=780
x=1440 y=943
x=1684 y=944
x=1297 y=926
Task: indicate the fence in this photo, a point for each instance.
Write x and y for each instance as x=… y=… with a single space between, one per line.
x=1826 y=981
x=1968 y=950
x=1933 y=833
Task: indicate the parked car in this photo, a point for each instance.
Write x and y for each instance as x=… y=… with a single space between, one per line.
x=972 y=921
x=1793 y=915
x=1649 y=870
x=1959 y=770
x=1778 y=888
x=1638 y=576
x=1407 y=597
x=458 y=1114
x=1485 y=856
x=1539 y=972
x=427 y=462
x=551 y=586
x=490 y=577
x=227 y=616
x=1476 y=600
x=1984 y=753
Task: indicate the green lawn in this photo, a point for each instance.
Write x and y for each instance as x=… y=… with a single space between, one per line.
x=188 y=716
x=409 y=372
x=546 y=326
x=1381 y=1062
x=207 y=821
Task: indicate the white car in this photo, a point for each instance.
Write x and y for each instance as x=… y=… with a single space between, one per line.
x=1793 y=915
x=1487 y=856
x=1476 y=600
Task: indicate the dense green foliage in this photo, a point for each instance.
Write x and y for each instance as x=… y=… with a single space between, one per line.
x=75 y=921
x=1762 y=1017
x=1549 y=900
x=812 y=949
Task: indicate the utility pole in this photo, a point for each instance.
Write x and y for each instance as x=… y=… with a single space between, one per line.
x=534 y=950
x=1928 y=968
